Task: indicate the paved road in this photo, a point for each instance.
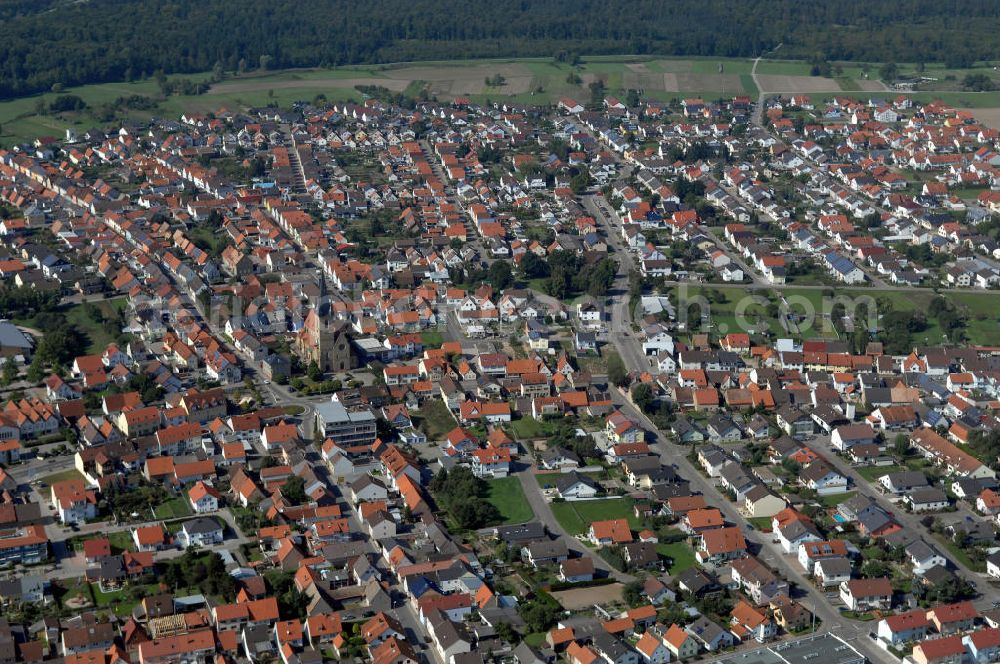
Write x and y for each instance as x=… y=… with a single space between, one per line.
x=620 y=324
x=543 y=512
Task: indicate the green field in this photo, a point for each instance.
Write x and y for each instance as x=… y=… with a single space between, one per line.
x=432 y=338
x=528 y=427
x=175 y=508
x=120 y=601
x=961 y=555
x=507 y=496
x=982 y=312
x=71 y=474
x=529 y=80
x=99 y=334
x=576 y=516
x=681 y=555
x=724 y=318
x=837 y=498
x=872 y=473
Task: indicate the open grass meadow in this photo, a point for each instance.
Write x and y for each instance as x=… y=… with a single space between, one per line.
x=529 y=81
x=99 y=332
x=982 y=313
x=507 y=496
x=576 y=516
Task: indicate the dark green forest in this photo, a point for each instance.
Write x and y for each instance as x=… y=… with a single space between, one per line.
x=47 y=42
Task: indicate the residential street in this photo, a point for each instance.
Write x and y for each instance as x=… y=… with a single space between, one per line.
x=909 y=520
x=786 y=566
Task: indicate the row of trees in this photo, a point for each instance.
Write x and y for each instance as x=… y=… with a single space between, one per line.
x=48 y=42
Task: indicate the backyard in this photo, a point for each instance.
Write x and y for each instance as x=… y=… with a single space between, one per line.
x=681 y=556
x=872 y=473
x=174 y=508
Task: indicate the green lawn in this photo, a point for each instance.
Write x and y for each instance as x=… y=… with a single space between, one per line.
x=70 y=589
x=71 y=474
x=836 y=499
x=174 y=508
x=576 y=516
x=99 y=332
x=535 y=639
x=434 y=419
x=981 y=308
x=121 y=541
x=960 y=555
x=120 y=601
x=507 y=496
x=528 y=427
x=548 y=81
x=871 y=473
x=432 y=338
x=681 y=555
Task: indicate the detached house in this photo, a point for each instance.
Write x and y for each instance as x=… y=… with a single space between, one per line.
x=867 y=594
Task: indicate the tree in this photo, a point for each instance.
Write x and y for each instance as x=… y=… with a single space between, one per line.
x=901 y=445
x=539 y=615
x=500 y=275
x=642 y=396
x=293 y=490
x=314 y=372
x=533 y=266
x=508 y=633
x=617 y=373
x=596 y=92
x=581 y=181
x=462 y=494
x=872 y=569
x=632 y=592
x=888 y=72
x=9 y=372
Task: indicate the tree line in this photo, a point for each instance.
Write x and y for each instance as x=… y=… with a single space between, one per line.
x=47 y=42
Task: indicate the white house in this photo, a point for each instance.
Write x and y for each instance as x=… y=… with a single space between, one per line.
x=652 y=649
x=572 y=486
x=904 y=627
x=203 y=498
x=200 y=532
x=866 y=594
